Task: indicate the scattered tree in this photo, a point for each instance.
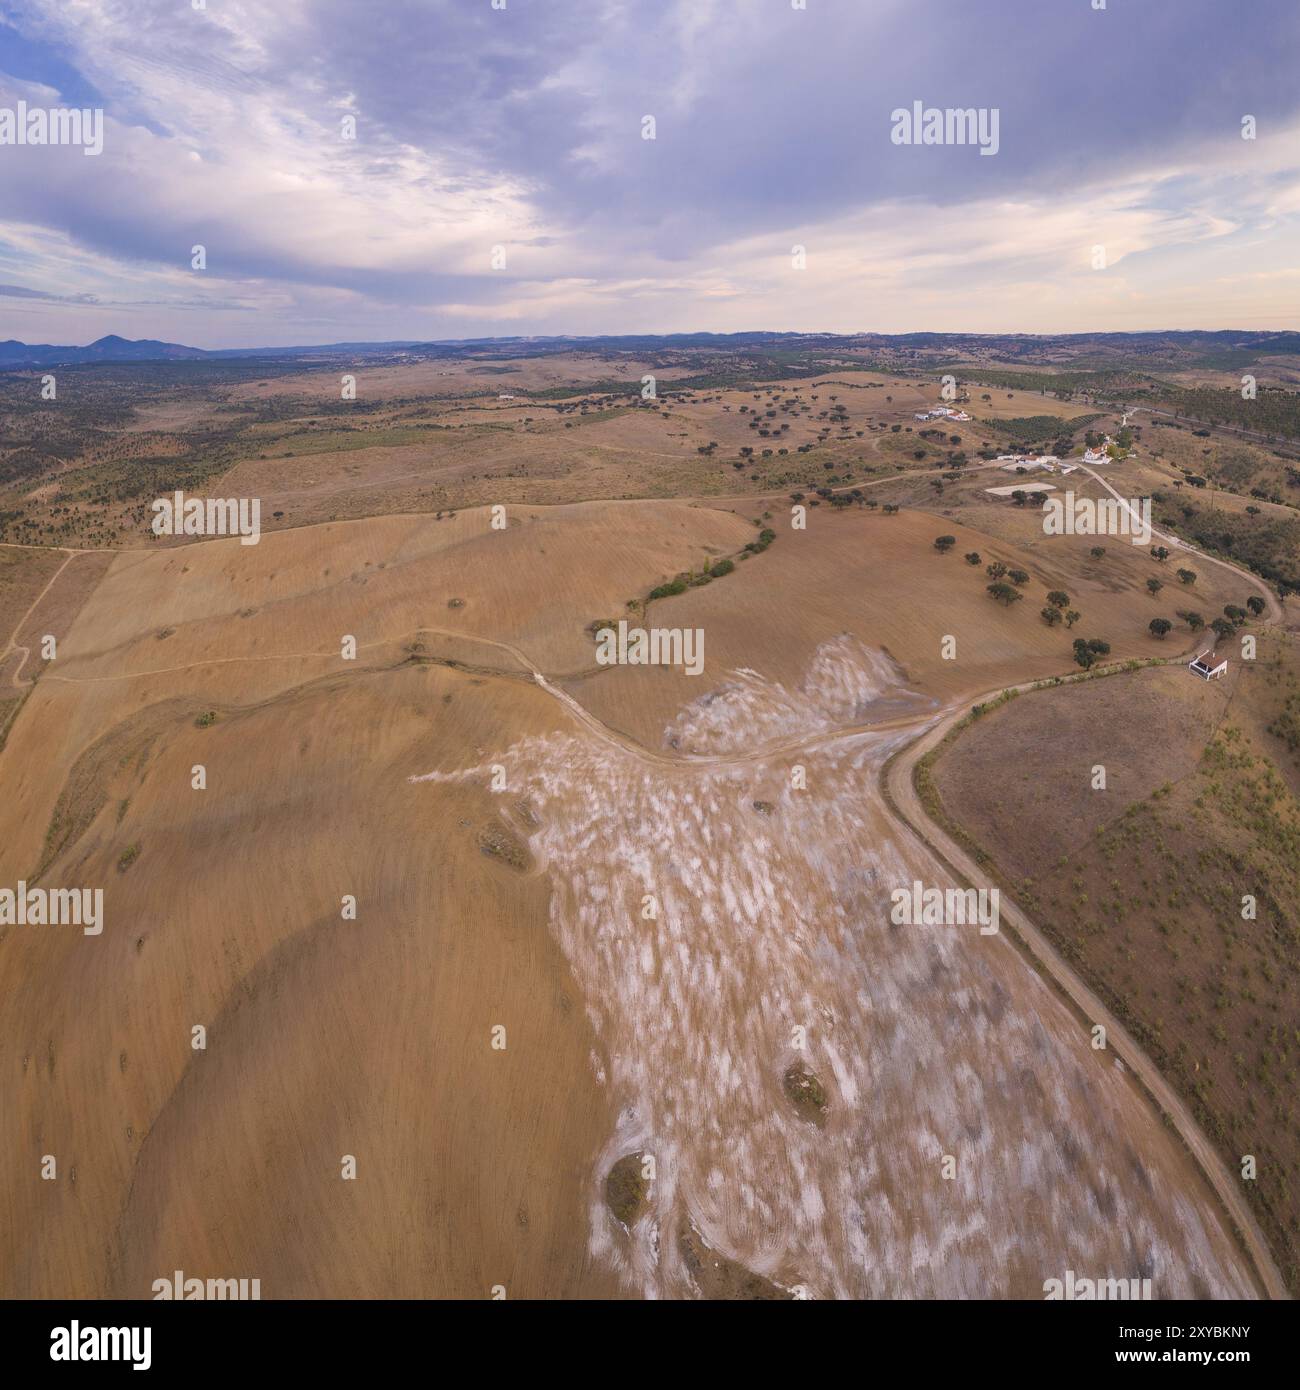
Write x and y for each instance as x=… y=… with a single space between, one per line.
x=1004 y=593
x=1088 y=652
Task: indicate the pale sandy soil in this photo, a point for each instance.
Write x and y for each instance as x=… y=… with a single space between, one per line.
x=769 y=944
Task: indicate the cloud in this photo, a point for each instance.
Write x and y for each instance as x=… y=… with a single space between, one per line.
x=521 y=129
x=22 y=292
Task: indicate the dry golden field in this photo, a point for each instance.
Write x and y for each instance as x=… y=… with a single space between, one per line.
x=500 y=835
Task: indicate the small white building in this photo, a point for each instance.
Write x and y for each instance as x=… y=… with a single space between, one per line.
x=1208 y=665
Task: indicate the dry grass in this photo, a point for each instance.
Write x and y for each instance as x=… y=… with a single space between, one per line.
x=1142 y=886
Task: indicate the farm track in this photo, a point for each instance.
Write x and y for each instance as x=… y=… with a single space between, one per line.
x=12 y=645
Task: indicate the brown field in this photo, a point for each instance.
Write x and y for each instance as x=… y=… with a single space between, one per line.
x=728 y=1072
x=57 y=609
x=425 y=436
x=458 y=378
x=489 y=451
x=1141 y=885
x=212 y=929
x=524 y=906
x=880 y=577
x=326 y=1037
x=23 y=574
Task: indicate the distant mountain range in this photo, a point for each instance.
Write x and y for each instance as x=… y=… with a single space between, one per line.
x=1028 y=347
x=110 y=349
x=115 y=349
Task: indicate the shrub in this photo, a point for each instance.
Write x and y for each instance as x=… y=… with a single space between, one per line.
x=674 y=586
x=765 y=538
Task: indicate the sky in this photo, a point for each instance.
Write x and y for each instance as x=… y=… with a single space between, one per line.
x=430 y=169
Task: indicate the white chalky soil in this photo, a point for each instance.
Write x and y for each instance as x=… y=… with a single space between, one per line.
x=929 y=1041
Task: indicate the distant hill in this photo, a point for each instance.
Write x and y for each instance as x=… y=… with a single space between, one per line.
x=116 y=349
x=109 y=349
x=1096 y=350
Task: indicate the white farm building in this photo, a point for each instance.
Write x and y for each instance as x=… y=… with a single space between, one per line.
x=1208 y=665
